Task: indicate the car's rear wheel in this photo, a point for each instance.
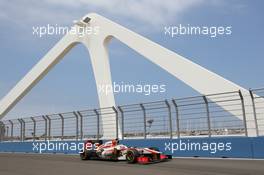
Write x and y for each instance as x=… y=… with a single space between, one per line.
x=132 y=156
x=115 y=154
x=85 y=155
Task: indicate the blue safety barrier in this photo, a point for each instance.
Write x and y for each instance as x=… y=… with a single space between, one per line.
x=231 y=147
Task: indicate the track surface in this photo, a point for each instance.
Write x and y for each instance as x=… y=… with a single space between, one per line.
x=36 y=164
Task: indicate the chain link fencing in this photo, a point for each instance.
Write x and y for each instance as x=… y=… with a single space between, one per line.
x=199 y=116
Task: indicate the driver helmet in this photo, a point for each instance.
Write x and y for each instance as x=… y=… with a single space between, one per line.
x=115 y=142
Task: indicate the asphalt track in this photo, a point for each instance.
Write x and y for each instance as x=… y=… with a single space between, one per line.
x=36 y=164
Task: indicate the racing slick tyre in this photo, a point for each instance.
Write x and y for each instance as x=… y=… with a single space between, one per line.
x=115 y=154
x=85 y=155
x=132 y=156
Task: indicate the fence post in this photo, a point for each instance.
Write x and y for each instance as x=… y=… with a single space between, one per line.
x=170 y=118
x=24 y=129
x=254 y=111
x=208 y=116
x=49 y=127
x=116 y=115
x=145 y=120
x=81 y=124
x=12 y=129
x=34 y=128
x=177 y=117
x=46 y=127
x=62 y=126
x=4 y=134
x=243 y=111
x=98 y=124
x=21 y=130
x=77 y=125
x=3 y=131
x=122 y=121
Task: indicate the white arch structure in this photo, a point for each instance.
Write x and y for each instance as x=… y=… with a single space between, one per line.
x=197 y=77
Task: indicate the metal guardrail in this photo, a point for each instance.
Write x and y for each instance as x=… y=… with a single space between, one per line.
x=258 y=109
x=185 y=117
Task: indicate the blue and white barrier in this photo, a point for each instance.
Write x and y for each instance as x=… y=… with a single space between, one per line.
x=231 y=147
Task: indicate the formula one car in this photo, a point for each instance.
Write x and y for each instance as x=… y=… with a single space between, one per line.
x=112 y=150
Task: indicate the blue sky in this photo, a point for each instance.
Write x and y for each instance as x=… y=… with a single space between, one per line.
x=71 y=86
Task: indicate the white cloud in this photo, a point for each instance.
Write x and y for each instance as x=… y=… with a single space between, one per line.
x=149 y=12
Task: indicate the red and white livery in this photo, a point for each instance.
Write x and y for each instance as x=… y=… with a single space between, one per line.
x=112 y=150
